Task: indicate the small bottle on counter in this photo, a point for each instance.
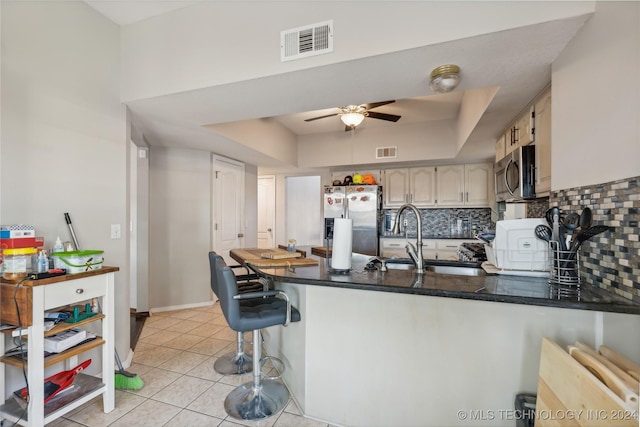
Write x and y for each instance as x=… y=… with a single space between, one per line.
x=42 y=264
x=57 y=247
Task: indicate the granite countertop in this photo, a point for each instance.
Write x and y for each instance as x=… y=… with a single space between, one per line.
x=496 y=288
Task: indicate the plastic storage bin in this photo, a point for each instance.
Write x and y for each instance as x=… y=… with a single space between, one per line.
x=17 y=263
x=79 y=261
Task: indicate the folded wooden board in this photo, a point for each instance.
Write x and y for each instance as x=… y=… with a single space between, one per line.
x=575 y=395
x=291 y=262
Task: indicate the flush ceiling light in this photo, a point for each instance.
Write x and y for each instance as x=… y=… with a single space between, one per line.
x=445 y=78
x=352 y=115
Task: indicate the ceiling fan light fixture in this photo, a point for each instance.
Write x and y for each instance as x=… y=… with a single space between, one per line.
x=352 y=119
x=445 y=78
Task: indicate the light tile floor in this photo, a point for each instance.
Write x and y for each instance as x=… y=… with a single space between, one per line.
x=174 y=357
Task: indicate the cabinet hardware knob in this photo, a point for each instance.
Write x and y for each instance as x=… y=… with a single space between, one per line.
x=79 y=291
x=240 y=235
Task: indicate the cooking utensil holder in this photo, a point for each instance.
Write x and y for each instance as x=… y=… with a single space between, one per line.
x=564 y=266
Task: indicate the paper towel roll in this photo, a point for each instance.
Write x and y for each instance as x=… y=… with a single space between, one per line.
x=342 y=243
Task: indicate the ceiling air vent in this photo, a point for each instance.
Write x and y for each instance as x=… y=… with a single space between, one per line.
x=309 y=40
x=386 y=152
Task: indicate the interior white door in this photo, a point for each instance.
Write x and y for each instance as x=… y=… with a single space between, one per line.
x=228 y=209
x=266 y=211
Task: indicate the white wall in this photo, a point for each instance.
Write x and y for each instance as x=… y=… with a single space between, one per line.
x=179 y=226
x=64 y=131
x=595 y=125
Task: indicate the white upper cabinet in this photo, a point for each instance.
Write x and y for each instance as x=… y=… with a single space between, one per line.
x=543 y=142
x=465 y=185
x=451 y=185
x=409 y=185
x=443 y=186
x=422 y=182
x=478 y=180
x=395 y=187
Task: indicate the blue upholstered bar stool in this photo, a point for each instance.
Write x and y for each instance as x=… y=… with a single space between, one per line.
x=260 y=398
x=238 y=362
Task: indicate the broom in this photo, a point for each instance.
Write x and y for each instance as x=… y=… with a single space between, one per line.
x=123 y=380
x=126 y=380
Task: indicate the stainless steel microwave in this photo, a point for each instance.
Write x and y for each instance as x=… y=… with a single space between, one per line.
x=515 y=175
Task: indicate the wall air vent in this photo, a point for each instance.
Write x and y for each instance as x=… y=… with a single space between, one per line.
x=386 y=152
x=309 y=40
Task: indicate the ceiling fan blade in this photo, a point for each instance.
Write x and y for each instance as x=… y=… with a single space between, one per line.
x=377 y=104
x=321 y=117
x=383 y=116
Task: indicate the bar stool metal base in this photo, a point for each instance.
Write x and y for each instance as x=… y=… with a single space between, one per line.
x=234 y=363
x=248 y=402
x=261 y=398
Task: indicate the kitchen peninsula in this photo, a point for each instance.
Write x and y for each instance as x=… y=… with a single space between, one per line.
x=397 y=348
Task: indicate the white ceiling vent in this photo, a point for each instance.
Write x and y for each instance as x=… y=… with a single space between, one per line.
x=309 y=40
x=386 y=152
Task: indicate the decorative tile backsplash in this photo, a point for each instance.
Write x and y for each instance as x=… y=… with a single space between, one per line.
x=436 y=223
x=610 y=260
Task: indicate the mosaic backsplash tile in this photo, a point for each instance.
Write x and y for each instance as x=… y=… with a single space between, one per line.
x=610 y=260
x=437 y=223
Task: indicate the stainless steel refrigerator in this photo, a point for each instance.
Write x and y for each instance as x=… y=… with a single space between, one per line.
x=361 y=203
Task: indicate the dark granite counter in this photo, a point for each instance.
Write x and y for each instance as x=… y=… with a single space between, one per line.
x=495 y=288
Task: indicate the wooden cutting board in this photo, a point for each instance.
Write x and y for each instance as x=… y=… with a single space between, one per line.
x=290 y=262
x=279 y=254
x=321 y=251
x=254 y=256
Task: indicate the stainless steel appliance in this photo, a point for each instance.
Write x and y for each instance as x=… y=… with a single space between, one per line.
x=361 y=203
x=515 y=175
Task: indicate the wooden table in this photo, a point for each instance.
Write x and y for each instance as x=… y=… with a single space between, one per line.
x=253 y=256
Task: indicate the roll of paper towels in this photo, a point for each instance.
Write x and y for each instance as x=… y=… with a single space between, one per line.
x=342 y=244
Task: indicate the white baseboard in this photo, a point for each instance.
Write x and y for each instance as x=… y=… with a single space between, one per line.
x=181 y=307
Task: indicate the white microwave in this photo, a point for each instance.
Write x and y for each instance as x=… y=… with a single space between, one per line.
x=515 y=175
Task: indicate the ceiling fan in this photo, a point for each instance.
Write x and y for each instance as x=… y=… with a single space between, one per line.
x=353 y=115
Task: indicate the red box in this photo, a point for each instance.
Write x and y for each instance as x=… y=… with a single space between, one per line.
x=22 y=242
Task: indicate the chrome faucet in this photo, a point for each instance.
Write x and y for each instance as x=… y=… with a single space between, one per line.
x=415 y=252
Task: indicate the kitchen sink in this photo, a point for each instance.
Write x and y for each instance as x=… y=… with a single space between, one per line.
x=448 y=268
x=400 y=266
x=458 y=270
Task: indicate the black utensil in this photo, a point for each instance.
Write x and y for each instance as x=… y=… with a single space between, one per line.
x=543 y=232
x=571 y=222
x=586 y=235
x=581 y=238
x=585 y=219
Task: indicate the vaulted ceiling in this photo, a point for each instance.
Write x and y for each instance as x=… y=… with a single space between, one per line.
x=512 y=66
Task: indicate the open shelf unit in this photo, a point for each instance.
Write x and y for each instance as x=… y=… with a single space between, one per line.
x=38 y=296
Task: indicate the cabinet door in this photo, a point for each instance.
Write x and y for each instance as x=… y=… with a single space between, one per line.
x=477 y=182
x=429 y=249
x=500 y=147
x=450 y=185
x=396 y=187
x=422 y=183
x=543 y=142
x=524 y=126
x=511 y=139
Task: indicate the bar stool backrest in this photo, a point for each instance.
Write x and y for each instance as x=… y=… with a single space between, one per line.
x=227 y=290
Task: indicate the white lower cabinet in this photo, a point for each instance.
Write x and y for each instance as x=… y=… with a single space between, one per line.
x=441 y=249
